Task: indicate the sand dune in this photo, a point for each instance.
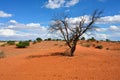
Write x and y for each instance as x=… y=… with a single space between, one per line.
x=43 y=61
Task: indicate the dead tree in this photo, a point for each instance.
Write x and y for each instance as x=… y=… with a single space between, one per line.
x=72 y=32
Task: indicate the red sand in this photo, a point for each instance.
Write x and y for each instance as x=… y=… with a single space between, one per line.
x=37 y=63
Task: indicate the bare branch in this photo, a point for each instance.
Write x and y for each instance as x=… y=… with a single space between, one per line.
x=71 y=34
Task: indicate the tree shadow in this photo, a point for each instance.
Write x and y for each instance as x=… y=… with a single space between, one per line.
x=51 y=54
x=60 y=54
x=36 y=56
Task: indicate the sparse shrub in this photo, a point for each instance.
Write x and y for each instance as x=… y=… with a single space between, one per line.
x=107 y=40
x=91 y=39
x=23 y=44
x=97 y=41
x=20 y=45
x=55 y=44
x=49 y=39
x=99 y=47
x=29 y=40
x=101 y=40
x=83 y=38
x=38 y=39
x=58 y=39
x=86 y=45
x=11 y=42
x=107 y=48
x=27 y=43
x=61 y=45
x=2 y=54
x=3 y=45
x=34 y=42
x=54 y=39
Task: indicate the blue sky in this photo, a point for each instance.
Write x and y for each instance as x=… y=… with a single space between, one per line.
x=28 y=19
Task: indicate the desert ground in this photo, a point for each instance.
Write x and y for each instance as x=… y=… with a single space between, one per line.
x=45 y=61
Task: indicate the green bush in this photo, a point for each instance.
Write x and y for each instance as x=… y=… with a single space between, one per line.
x=29 y=40
x=49 y=39
x=83 y=38
x=38 y=39
x=107 y=40
x=2 y=55
x=23 y=44
x=20 y=45
x=11 y=42
x=99 y=47
x=92 y=39
x=57 y=39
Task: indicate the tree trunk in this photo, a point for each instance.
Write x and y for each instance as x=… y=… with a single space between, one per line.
x=72 y=51
x=73 y=48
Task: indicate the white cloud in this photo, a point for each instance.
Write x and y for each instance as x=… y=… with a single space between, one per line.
x=101 y=29
x=101 y=36
x=117 y=35
x=102 y=33
x=114 y=28
x=103 y=20
x=19 y=26
x=78 y=19
x=3 y=14
x=35 y=25
x=13 y=21
x=7 y=32
x=54 y=4
x=96 y=35
x=71 y=3
x=109 y=19
x=19 y=31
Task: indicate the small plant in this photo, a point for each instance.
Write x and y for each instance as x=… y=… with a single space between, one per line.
x=83 y=38
x=97 y=41
x=11 y=42
x=23 y=44
x=55 y=44
x=86 y=45
x=107 y=48
x=57 y=39
x=38 y=39
x=107 y=40
x=91 y=39
x=99 y=47
x=3 y=45
x=2 y=55
x=61 y=45
x=29 y=40
x=49 y=39
x=34 y=42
